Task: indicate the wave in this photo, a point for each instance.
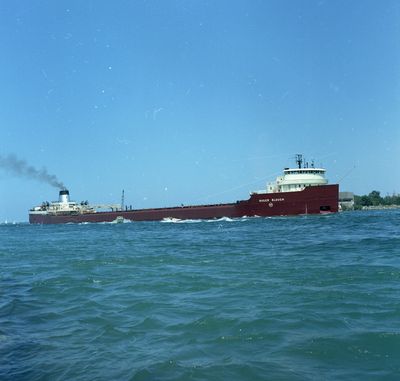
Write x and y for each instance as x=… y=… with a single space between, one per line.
x=179 y=221
x=223 y=219
x=191 y=221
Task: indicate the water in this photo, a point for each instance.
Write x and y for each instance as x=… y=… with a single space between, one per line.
x=297 y=298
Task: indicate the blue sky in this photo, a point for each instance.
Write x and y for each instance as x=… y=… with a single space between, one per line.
x=196 y=101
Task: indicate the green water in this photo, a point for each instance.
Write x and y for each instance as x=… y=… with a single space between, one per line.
x=297 y=298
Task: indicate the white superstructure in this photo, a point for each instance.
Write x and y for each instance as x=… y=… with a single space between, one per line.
x=296 y=179
x=65 y=206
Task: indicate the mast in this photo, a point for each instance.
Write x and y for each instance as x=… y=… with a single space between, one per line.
x=299 y=159
x=123 y=200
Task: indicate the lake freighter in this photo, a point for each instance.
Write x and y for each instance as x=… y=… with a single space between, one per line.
x=300 y=190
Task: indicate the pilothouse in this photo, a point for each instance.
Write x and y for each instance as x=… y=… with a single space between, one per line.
x=296 y=179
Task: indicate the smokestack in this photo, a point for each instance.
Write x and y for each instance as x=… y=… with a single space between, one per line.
x=63 y=196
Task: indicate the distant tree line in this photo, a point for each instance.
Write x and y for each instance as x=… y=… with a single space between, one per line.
x=375 y=199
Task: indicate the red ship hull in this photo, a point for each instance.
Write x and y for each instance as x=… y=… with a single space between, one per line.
x=312 y=200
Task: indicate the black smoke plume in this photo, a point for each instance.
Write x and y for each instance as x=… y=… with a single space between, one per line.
x=21 y=168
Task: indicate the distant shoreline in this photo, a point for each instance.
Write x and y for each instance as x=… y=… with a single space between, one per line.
x=380 y=207
x=374 y=201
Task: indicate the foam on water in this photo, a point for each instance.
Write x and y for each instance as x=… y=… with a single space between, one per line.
x=223 y=219
x=190 y=221
x=170 y=220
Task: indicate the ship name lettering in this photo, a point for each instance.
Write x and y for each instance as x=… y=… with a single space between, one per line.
x=271 y=199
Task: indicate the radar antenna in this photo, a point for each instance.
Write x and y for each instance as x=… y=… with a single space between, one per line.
x=299 y=159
